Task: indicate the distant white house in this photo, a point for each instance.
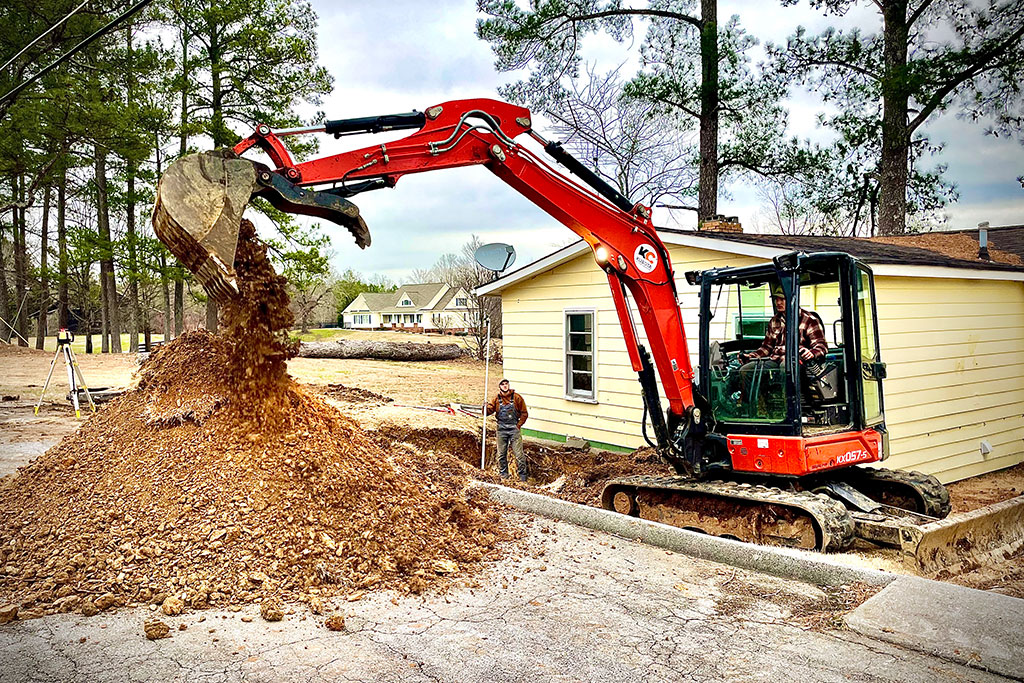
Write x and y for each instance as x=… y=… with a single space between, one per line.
x=428 y=307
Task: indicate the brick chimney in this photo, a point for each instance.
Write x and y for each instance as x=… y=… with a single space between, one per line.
x=721 y=224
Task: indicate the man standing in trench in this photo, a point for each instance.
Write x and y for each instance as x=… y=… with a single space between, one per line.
x=511 y=412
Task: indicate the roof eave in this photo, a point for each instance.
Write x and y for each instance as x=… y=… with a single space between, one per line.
x=732 y=246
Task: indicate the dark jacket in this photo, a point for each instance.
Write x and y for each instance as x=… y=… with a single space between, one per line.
x=517 y=401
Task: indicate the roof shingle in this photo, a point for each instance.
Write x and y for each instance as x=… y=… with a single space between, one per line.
x=868 y=250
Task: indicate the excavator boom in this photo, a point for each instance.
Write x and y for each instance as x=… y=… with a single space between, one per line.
x=201 y=197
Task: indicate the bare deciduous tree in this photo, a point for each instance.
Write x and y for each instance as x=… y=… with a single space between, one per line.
x=786 y=209
x=461 y=271
x=629 y=142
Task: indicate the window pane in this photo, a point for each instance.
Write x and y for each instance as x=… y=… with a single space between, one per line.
x=583 y=382
x=868 y=352
x=580 y=342
x=756 y=395
x=582 y=363
x=580 y=322
x=579 y=358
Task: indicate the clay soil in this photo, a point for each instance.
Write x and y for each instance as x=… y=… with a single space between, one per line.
x=219 y=480
x=977 y=492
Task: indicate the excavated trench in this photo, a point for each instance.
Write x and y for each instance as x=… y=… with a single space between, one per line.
x=579 y=476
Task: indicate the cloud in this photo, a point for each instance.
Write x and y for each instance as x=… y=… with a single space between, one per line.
x=396 y=56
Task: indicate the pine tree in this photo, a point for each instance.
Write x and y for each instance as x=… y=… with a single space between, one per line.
x=929 y=57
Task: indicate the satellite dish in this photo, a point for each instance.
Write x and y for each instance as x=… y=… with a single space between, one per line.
x=496 y=256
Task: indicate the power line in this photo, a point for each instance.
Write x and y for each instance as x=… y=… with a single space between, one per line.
x=77 y=48
x=44 y=34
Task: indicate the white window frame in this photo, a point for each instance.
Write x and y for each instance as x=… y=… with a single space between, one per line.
x=406 y=301
x=461 y=302
x=566 y=385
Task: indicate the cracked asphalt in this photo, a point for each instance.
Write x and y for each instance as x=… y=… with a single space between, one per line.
x=578 y=605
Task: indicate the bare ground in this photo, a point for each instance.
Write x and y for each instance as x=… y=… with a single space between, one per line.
x=407 y=403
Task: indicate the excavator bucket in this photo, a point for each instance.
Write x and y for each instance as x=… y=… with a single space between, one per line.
x=198 y=210
x=199 y=204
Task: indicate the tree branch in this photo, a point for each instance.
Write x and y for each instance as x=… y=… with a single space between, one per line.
x=846 y=65
x=918 y=12
x=663 y=14
x=979 y=65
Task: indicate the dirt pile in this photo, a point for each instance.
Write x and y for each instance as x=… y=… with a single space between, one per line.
x=218 y=480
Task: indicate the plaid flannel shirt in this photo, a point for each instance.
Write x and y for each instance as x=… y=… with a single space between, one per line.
x=811 y=336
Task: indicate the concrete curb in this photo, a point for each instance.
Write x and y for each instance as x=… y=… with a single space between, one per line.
x=976 y=628
x=783 y=562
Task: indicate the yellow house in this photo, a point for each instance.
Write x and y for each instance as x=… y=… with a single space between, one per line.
x=951 y=329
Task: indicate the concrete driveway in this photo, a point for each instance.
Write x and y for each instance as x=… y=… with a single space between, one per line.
x=579 y=605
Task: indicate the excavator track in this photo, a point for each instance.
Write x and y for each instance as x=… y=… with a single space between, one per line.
x=908 y=490
x=748 y=512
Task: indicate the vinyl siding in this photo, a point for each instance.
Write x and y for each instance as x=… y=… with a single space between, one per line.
x=954 y=349
x=955 y=356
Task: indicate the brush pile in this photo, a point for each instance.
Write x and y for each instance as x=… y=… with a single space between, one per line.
x=219 y=481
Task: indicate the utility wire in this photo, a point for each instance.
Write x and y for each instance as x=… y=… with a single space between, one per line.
x=44 y=34
x=77 y=48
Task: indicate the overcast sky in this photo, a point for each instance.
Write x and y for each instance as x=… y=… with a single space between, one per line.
x=407 y=54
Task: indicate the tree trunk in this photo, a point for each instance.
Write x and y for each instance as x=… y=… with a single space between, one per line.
x=108 y=279
x=20 y=266
x=133 y=261
x=409 y=351
x=62 y=252
x=707 y=190
x=165 y=288
x=218 y=129
x=133 y=266
x=5 y=293
x=104 y=314
x=179 y=303
x=88 y=333
x=211 y=315
x=892 y=204
x=44 y=276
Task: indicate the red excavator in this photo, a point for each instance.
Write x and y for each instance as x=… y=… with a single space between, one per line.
x=765 y=452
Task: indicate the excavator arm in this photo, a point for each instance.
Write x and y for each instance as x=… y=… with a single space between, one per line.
x=200 y=200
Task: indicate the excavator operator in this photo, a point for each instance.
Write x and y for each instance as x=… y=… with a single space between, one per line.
x=772 y=352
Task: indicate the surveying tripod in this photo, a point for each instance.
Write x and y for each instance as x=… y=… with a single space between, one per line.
x=64 y=339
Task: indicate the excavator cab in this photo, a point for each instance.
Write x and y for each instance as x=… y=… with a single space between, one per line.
x=778 y=393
